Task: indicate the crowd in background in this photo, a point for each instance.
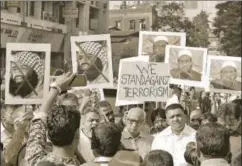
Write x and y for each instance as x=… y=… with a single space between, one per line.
x=190 y=129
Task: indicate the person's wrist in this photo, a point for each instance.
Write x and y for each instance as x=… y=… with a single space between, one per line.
x=56 y=86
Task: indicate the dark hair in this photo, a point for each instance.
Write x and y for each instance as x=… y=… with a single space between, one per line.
x=191 y=88
x=210 y=117
x=105 y=139
x=24 y=89
x=158 y=158
x=176 y=106
x=213 y=140
x=103 y=103
x=48 y=163
x=88 y=109
x=62 y=124
x=158 y=112
x=236 y=160
x=233 y=109
x=68 y=96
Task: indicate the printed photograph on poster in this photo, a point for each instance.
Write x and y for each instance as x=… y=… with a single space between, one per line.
x=187 y=65
x=120 y=102
x=91 y=55
x=27 y=73
x=153 y=44
x=224 y=74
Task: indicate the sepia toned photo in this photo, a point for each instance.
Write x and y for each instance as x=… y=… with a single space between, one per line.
x=153 y=44
x=27 y=73
x=187 y=65
x=91 y=55
x=224 y=74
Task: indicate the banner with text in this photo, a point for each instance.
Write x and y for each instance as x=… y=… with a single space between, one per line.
x=144 y=81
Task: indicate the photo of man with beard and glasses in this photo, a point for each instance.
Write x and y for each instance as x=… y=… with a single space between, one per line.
x=27 y=74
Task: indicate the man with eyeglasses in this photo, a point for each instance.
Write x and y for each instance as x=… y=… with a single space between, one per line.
x=184 y=70
x=133 y=137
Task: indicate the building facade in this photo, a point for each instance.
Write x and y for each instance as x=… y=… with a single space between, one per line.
x=135 y=18
x=50 y=22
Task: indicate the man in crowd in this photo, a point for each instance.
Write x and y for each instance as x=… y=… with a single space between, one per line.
x=228 y=76
x=90 y=120
x=68 y=99
x=184 y=70
x=158 y=118
x=133 y=137
x=26 y=75
x=159 y=48
x=106 y=111
x=195 y=119
x=61 y=123
x=213 y=146
x=175 y=137
x=158 y=158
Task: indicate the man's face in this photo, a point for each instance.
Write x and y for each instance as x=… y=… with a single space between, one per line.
x=17 y=75
x=84 y=61
x=231 y=122
x=108 y=112
x=176 y=119
x=185 y=63
x=160 y=122
x=195 y=119
x=229 y=73
x=91 y=121
x=159 y=48
x=134 y=122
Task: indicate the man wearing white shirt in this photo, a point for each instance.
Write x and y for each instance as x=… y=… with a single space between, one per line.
x=175 y=138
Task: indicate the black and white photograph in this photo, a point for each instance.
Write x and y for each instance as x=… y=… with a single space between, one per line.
x=120 y=83
x=153 y=44
x=187 y=65
x=224 y=74
x=27 y=73
x=91 y=55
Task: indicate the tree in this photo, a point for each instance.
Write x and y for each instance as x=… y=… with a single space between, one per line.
x=200 y=32
x=227 y=27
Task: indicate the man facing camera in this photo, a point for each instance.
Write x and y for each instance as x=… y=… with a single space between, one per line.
x=184 y=70
x=159 y=48
x=228 y=75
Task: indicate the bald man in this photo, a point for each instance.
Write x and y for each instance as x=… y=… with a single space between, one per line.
x=228 y=75
x=133 y=137
x=159 y=48
x=184 y=70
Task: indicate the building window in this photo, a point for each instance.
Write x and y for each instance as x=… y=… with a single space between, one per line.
x=118 y=24
x=18 y=9
x=3 y=5
x=132 y=24
x=61 y=18
x=191 y=4
x=142 y=24
x=77 y=19
x=31 y=8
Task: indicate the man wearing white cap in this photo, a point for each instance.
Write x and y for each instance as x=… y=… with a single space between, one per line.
x=184 y=70
x=159 y=48
x=228 y=75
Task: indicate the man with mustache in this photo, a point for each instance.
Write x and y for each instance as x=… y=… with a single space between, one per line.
x=228 y=75
x=26 y=75
x=174 y=138
x=184 y=70
x=159 y=48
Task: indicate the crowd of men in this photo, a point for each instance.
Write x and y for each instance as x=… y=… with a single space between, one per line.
x=205 y=131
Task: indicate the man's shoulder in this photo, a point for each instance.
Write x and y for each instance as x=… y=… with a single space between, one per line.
x=163 y=133
x=196 y=75
x=175 y=72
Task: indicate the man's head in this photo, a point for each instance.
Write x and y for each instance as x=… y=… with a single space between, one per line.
x=105 y=139
x=207 y=117
x=158 y=158
x=25 y=66
x=135 y=119
x=213 y=141
x=91 y=54
x=176 y=117
x=91 y=119
x=195 y=118
x=185 y=60
x=68 y=99
x=106 y=110
x=63 y=121
x=228 y=71
x=158 y=117
x=159 y=45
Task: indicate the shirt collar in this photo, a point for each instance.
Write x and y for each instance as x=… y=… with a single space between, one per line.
x=185 y=131
x=102 y=159
x=214 y=162
x=127 y=135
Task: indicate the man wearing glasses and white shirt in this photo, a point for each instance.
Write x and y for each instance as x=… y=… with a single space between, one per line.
x=175 y=138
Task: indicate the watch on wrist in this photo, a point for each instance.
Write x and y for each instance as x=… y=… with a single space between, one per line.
x=55 y=86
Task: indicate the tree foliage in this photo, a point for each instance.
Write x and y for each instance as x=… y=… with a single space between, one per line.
x=227 y=25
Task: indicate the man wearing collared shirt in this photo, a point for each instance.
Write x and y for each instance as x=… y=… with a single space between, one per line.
x=213 y=145
x=133 y=138
x=175 y=137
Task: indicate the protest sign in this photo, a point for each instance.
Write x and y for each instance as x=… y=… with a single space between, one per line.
x=144 y=81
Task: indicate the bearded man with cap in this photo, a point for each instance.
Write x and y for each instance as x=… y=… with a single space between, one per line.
x=159 y=48
x=228 y=75
x=26 y=75
x=184 y=70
